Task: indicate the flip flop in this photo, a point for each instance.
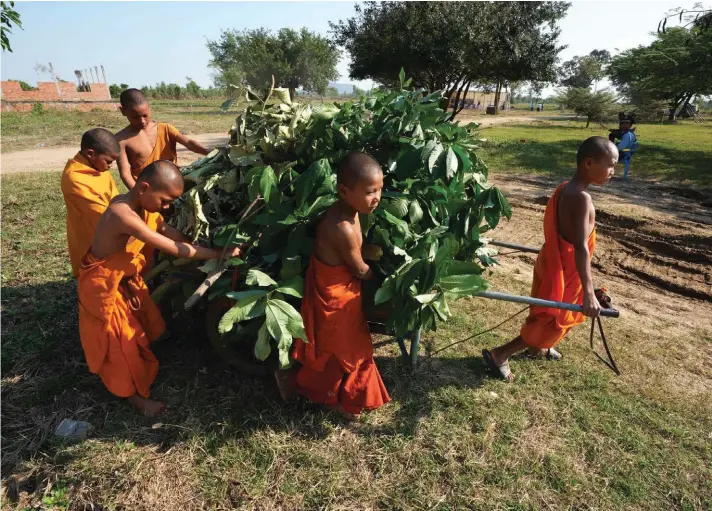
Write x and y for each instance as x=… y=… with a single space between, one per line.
x=550 y=354
x=500 y=371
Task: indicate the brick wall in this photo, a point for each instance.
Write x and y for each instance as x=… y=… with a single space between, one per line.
x=62 y=95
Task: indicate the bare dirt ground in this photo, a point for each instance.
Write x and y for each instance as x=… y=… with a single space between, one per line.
x=54 y=158
x=653 y=254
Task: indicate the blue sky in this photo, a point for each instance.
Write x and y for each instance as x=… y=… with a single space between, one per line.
x=142 y=43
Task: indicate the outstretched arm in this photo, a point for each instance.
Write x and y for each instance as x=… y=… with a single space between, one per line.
x=192 y=145
x=581 y=211
x=135 y=227
x=172 y=233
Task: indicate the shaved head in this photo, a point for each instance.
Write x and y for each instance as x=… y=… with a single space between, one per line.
x=595 y=148
x=131 y=98
x=357 y=167
x=101 y=140
x=162 y=175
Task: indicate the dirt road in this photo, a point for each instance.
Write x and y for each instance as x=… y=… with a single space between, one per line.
x=52 y=159
x=654 y=256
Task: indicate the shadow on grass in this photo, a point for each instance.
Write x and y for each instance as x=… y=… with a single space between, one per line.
x=45 y=379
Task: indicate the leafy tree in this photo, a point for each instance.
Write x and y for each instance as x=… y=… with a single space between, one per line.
x=674 y=68
x=332 y=92
x=582 y=72
x=8 y=17
x=594 y=105
x=116 y=90
x=452 y=45
x=192 y=89
x=294 y=58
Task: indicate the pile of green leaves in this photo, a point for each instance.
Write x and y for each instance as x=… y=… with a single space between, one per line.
x=276 y=178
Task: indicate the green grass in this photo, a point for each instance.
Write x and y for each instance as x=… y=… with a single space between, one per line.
x=680 y=152
x=567 y=435
x=55 y=127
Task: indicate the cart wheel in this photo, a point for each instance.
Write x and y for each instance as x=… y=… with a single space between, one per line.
x=234 y=348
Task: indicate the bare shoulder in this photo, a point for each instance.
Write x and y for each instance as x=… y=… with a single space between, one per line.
x=576 y=200
x=125 y=134
x=337 y=231
x=119 y=212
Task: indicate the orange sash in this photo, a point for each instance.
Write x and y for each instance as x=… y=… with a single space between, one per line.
x=555 y=278
x=87 y=193
x=165 y=148
x=337 y=363
x=118 y=319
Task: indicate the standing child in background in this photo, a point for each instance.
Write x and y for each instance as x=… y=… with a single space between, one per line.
x=337 y=368
x=117 y=318
x=88 y=187
x=562 y=272
x=144 y=140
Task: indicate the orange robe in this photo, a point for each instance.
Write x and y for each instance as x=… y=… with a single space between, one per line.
x=555 y=278
x=87 y=193
x=118 y=319
x=165 y=148
x=337 y=363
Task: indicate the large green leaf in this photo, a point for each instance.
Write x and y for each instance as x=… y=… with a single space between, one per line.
x=283 y=322
x=268 y=182
x=450 y=163
x=251 y=305
x=293 y=287
x=311 y=179
x=257 y=278
x=463 y=285
x=262 y=346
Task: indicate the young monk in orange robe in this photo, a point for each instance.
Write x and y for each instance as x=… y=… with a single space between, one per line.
x=88 y=187
x=117 y=318
x=562 y=271
x=337 y=366
x=144 y=140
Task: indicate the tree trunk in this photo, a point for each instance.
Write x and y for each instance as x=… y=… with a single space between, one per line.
x=673 y=109
x=462 y=106
x=687 y=102
x=588 y=121
x=497 y=94
x=292 y=93
x=455 y=109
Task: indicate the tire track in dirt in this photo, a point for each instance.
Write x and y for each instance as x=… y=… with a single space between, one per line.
x=650 y=246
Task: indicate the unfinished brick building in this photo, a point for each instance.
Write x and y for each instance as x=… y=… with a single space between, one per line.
x=58 y=95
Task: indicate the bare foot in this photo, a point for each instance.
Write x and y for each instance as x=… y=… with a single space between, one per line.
x=497 y=364
x=285 y=385
x=147 y=407
x=346 y=415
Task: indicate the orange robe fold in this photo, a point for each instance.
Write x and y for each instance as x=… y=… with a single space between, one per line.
x=118 y=319
x=337 y=363
x=555 y=278
x=165 y=148
x=87 y=193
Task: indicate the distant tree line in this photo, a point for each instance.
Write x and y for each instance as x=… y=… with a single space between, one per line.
x=164 y=90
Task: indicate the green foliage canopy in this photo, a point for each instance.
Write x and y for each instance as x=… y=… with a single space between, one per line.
x=8 y=17
x=674 y=68
x=282 y=155
x=294 y=58
x=452 y=45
